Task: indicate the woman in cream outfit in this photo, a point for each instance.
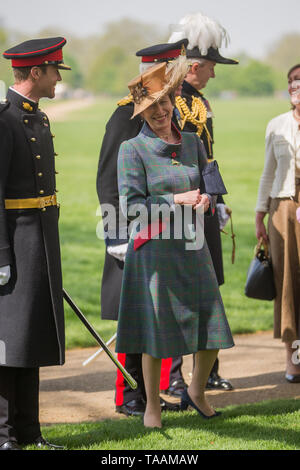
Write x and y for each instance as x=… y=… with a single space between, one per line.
x=279 y=196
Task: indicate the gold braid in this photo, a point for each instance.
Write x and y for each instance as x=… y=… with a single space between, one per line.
x=127 y=99
x=197 y=115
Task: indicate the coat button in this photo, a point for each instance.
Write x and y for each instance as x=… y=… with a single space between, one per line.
x=40 y=174
x=38 y=157
x=56 y=172
x=33 y=139
x=26 y=121
x=55 y=154
x=44 y=209
x=42 y=191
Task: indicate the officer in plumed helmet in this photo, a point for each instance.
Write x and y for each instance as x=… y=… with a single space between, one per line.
x=31 y=301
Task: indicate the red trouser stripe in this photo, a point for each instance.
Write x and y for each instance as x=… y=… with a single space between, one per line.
x=120 y=382
x=166 y=365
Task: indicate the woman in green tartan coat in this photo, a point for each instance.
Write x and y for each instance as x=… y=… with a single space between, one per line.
x=170 y=302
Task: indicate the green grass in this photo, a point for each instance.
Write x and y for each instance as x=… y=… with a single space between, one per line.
x=239 y=128
x=270 y=425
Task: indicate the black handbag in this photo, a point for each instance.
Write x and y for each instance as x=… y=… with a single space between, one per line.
x=260 y=279
x=213 y=182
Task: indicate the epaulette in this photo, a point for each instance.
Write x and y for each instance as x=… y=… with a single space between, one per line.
x=3 y=105
x=126 y=100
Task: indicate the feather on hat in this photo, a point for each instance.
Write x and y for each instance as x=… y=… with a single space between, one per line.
x=205 y=36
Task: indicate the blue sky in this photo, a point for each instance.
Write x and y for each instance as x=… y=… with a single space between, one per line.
x=253 y=25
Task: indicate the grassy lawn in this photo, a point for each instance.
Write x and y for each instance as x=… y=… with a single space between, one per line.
x=239 y=149
x=270 y=425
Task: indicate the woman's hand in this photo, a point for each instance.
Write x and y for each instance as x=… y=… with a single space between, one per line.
x=191 y=198
x=205 y=202
x=260 y=226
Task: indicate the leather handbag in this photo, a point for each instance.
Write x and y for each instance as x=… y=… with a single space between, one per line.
x=213 y=182
x=260 y=279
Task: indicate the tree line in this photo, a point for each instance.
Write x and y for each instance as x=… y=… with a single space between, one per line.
x=104 y=63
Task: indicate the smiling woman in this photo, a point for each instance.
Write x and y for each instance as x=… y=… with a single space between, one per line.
x=170 y=302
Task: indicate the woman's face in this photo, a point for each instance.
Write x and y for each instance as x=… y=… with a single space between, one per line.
x=159 y=115
x=294 y=75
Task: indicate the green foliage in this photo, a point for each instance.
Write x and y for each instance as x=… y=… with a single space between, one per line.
x=111 y=72
x=75 y=76
x=252 y=78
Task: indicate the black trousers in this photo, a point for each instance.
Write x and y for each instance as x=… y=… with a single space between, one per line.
x=19 y=404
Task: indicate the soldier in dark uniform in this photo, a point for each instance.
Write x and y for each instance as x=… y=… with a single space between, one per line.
x=194 y=114
x=119 y=128
x=31 y=301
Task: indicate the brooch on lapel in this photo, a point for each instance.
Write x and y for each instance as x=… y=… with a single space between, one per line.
x=175 y=162
x=27 y=106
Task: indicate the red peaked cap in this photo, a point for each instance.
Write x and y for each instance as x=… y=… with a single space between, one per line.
x=47 y=51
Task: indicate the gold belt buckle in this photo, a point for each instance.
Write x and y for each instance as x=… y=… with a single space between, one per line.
x=47 y=201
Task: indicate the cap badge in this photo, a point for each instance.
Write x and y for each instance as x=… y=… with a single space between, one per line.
x=183 y=50
x=27 y=106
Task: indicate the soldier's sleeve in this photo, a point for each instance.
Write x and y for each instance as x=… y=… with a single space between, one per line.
x=6 y=145
x=119 y=128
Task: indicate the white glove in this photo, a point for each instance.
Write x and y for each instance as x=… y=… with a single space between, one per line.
x=118 y=251
x=4 y=275
x=223 y=214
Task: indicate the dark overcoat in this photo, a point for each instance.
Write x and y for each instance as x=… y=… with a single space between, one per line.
x=212 y=228
x=118 y=129
x=31 y=304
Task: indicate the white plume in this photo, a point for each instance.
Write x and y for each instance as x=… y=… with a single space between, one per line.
x=201 y=32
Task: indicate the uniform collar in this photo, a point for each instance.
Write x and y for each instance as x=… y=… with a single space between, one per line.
x=160 y=146
x=188 y=89
x=21 y=101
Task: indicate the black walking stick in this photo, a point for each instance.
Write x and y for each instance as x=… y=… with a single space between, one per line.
x=99 y=340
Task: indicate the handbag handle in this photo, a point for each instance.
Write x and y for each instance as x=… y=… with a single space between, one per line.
x=261 y=243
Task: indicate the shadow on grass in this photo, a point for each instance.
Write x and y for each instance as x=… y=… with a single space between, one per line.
x=262 y=422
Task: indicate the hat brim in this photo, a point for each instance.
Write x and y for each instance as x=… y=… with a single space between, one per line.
x=174 y=77
x=63 y=67
x=212 y=54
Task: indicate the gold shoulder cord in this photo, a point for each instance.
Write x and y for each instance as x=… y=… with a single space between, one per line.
x=197 y=115
x=127 y=99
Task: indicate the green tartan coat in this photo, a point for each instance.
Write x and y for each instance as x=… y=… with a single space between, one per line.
x=170 y=300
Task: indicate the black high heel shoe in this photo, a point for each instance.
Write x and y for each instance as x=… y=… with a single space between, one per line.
x=186 y=401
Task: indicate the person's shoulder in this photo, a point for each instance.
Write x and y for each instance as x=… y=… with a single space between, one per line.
x=4 y=105
x=279 y=120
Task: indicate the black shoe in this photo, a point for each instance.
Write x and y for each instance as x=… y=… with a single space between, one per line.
x=167 y=406
x=10 y=445
x=132 y=408
x=187 y=401
x=293 y=379
x=216 y=382
x=176 y=388
x=41 y=443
